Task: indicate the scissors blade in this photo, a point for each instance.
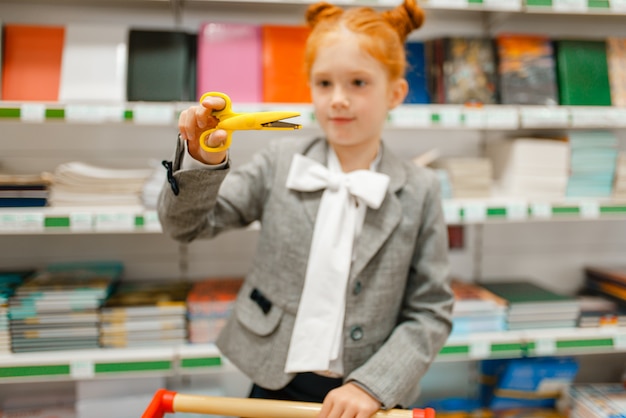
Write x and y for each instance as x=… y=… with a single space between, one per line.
x=279 y=124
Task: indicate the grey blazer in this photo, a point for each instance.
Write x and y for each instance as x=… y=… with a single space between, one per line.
x=398 y=302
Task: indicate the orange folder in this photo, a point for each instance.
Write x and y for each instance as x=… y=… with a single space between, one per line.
x=31 y=64
x=284 y=78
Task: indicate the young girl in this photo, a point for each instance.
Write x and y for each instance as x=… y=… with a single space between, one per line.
x=347 y=301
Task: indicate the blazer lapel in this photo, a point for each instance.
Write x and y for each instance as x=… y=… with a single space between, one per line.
x=379 y=224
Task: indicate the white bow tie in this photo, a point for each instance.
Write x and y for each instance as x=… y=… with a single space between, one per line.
x=316 y=342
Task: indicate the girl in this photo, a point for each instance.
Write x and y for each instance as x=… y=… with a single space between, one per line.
x=347 y=301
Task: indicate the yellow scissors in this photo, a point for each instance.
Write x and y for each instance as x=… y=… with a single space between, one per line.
x=231 y=121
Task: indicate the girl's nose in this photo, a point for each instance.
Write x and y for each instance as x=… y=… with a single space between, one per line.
x=340 y=98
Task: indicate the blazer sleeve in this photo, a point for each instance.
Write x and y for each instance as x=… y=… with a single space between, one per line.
x=394 y=372
x=211 y=201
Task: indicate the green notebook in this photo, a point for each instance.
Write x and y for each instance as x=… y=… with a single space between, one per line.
x=525 y=293
x=583 y=75
x=161 y=66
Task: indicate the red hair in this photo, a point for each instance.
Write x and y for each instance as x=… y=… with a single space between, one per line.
x=382 y=35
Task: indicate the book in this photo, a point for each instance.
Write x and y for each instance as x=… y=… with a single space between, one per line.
x=229 y=61
x=416 y=73
x=462 y=70
x=94 y=63
x=526 y=69
x=598 y=400
x=161 y=65
x=31 y=62
x=616 y=57
x=582 y=72
x=284 y=81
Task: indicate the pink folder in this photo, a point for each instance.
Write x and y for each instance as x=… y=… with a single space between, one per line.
x=229 y=61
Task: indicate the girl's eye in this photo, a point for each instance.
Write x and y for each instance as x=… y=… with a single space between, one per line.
x=323 y=83
x=359 y=83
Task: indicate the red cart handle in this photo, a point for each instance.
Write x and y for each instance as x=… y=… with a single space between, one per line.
x=166 y=401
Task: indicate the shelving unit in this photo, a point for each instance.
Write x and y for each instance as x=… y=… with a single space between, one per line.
x=40 y=135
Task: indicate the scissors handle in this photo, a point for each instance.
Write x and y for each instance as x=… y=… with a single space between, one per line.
x=227 y=110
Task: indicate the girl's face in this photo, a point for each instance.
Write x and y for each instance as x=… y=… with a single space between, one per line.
x=352 y=93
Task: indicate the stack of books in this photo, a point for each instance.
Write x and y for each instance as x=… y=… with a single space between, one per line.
x=57 y=308
x=593 y=160
x=608 y=281
x=24 y=190
x=469 y=177
x=600 y=311
x=531 y=306
x=530 y=167
x=9 y=281
x=476 y=309
x=209 y=304
x=598 y=400
x=80 y=183
x=145 y=313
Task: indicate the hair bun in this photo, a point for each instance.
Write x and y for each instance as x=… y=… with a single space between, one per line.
x=321 y=11
x=405 y=18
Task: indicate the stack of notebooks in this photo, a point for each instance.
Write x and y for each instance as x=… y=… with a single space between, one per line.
x=469 y=177
x=57 y=308
x=476 y=310
x=530 y=167
x=531 y=306
x=145 y=314
x=593 y=160
x=598 y=400
x=619 y=186
x=599 y=311
x=79 y=183
x=24 y=190
x=9 y=281
x=209 y=304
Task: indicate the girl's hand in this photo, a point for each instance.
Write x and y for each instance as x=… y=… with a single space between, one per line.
x=349 y=401
x=196 y=119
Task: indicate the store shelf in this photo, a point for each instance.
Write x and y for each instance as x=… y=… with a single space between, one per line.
x=492 y=117
x=206 y=358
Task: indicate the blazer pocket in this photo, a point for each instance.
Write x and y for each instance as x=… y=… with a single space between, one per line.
x=256 y=312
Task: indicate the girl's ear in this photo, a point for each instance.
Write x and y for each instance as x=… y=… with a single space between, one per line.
x=398 y=89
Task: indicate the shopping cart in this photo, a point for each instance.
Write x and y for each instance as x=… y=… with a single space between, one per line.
x=166 y=401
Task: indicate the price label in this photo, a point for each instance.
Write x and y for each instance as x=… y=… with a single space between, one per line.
x=82 y=369
x=29 y=221
x=618 y=6
x=450 y=116
x=411 y=116
x=516 y=211
x=114 y=222
x=91 y=113
x=475 y=212
x=33 y=112
x=480 y=349
x=474 y=118
x=539 y=117
x=545 y=346
x=156 y=114
x=503 y=4
x=589 y=209
x=569 y=5
x=81 y=221
x=541 y=210
x=507 y=118
x=457 y=4
x=451 y=212
x=593 y=117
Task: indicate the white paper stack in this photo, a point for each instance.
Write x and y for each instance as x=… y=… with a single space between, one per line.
x=94 y=63
x=530 y=167
x=79 y=183
x=469 y=177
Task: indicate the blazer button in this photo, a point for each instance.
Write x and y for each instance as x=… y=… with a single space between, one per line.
x=357 y=288
x=356 y=333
